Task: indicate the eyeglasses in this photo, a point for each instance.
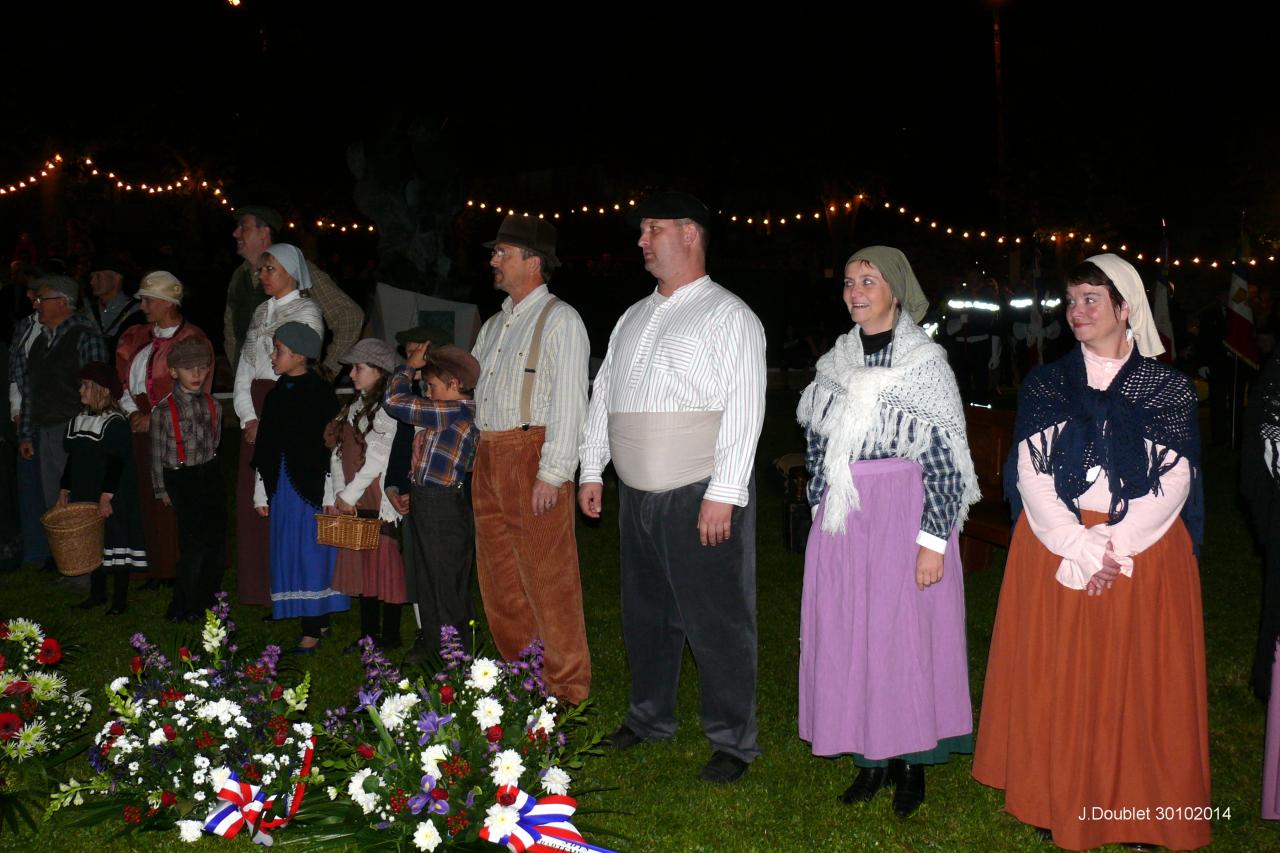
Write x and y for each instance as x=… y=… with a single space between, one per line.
x=266 y=268
x=39 y=300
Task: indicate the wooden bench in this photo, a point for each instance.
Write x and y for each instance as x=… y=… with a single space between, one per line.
x=990 y=435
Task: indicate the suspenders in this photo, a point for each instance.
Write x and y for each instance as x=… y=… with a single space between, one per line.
x=531 y=363
x=177 y=429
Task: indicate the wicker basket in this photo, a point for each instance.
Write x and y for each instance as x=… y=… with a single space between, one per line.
x=348 y=531
x=75 y=537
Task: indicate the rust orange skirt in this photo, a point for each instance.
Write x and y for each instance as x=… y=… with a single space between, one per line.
x=1095 y=713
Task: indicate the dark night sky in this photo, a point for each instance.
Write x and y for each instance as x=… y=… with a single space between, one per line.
x=1116 y=114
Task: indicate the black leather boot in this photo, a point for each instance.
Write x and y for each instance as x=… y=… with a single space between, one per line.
x=865 y=785
x=909 y=781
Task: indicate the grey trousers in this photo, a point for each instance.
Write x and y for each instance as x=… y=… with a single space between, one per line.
x=674 y=589
x=52 y=456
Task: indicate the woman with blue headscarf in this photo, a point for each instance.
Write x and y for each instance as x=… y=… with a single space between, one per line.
x=1094 y=716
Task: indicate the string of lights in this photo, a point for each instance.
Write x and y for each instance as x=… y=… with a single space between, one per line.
x=840 y=207
x=212 y=190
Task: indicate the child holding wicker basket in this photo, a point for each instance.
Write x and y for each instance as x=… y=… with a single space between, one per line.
x=363 y=433
x=100 y=469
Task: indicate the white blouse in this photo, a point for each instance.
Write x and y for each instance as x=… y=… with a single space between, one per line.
x=255 y=354
x=377 y=452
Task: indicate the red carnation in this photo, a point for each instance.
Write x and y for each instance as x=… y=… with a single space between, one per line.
x=493 y=734
x=50 y=652
x=135 y=664
x=507 y=797
x=168 y=798
x=4 y=630
x=184 y=654
x=17 y=688
x=9 y=725
x=168 y=731
x=446 y=694
x=442 y=794
x=276 y=692
x=116 y=730
x=365 y=751
x=279 y=739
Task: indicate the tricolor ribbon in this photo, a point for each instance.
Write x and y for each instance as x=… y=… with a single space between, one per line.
x=544 y=826
x=245 y=805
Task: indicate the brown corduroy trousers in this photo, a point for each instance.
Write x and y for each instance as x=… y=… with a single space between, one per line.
x=528 y=565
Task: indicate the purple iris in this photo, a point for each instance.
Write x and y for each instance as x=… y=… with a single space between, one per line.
x=418 y=802
x=368 y=698
x=429 y=723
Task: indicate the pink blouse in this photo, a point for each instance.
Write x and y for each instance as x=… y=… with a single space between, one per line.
x=1080 y=547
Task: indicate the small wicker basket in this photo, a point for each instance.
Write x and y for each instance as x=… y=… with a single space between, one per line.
x=348 y=531
x=75 y=537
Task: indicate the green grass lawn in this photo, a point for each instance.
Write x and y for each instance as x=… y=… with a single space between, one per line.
x=787 y=800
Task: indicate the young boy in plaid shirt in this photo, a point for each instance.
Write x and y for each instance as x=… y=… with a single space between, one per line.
x=439 y=560
x=186 y=427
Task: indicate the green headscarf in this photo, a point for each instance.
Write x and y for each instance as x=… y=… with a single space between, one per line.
x=895 y=268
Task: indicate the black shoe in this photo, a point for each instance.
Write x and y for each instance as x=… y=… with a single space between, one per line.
x=723 y=768
x=391 y=645
x=91 y=602
x=1044 y=834
x=150 y=583
x=268 y=617
x=909 y=781
x=624 y=738
x=865 y=785
x=117 y=609
x=419 y=653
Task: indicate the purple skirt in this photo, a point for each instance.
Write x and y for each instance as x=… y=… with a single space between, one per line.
x=883 y=666
x=1271 y=757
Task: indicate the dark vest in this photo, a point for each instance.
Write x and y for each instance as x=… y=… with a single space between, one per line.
x=55 y=378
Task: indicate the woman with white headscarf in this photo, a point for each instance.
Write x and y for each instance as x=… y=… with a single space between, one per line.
x=1094 y=716
x=282 y=270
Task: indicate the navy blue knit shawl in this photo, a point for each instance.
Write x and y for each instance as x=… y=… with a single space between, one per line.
x=1146 y=400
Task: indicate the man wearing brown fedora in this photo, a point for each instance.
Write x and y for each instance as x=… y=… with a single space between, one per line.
x=530 y=403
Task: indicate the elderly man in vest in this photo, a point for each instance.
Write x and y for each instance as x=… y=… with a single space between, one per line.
x=143 y=367
x=67 y=342
x=256 y=229
x=678 y=404
x=530 y=402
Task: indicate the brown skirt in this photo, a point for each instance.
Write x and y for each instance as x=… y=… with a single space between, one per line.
x=1095 y=713
x=374 y=574
x=159 y=524
x=253 y=532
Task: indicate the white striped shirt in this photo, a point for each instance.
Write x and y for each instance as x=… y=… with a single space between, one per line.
x=560 y=390
x=699 y=350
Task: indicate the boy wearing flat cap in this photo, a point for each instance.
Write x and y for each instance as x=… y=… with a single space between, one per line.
x=185 y=430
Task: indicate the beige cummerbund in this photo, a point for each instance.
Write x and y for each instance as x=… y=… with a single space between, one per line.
x=658 y=451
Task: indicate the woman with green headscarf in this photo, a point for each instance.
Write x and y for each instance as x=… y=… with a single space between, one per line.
x=884 y=672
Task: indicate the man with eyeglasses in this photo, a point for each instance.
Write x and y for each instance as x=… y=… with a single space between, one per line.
x=256 y=229
x=68 y=340
x=530 y=403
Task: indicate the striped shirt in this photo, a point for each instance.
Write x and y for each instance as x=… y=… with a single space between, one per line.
x=560 y=392
x=444 y=448
x=699 y=350
x=943 y=486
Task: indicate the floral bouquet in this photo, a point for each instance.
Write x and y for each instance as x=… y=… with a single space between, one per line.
x=39 y=717
x=209 y=744
x=472 y=757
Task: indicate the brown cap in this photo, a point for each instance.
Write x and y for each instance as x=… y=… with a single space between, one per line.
x=189 y=352
x=456 y=362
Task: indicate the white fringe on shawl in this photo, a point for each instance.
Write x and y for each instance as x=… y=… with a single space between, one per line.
x=861 y=409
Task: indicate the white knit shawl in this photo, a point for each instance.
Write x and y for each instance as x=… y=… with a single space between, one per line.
x=864 y=411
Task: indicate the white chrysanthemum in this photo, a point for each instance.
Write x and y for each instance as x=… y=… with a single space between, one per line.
x=555 y=781
x=218 y=777
x=268 y=759
x=230 y=733
x=224 y=710
x=46 y=685
x=24 y=629
x=201 y=762
x=157 y=738
x=190 y=830
x=542 y=719
x=394 y=709
x=242 y=721
x=268 y=778
x=119 y=684
x=426 y=836
x=133 y=767
x=355 y=790
x=303 y=729
x=431 y=758
x=487 y=712
x=501 y=820
x=198 y=778
x=507 y=767
x=404 y=684
x=198 y=796
x=484 y=675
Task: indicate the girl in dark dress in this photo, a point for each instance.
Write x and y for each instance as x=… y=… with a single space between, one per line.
x=100 y=469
